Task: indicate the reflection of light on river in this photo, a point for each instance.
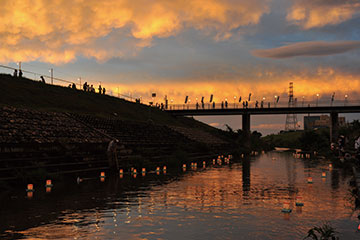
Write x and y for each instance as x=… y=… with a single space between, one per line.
x=242 y=199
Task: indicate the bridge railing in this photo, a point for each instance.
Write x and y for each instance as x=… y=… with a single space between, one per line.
x=265 y=104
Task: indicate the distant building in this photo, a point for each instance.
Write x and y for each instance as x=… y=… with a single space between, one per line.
x=323 y=121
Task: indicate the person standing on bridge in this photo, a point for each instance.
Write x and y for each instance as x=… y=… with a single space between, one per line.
x=213 y=105
x=15 y=73
x=100 y=89
x=226 y=104
x=222 y=105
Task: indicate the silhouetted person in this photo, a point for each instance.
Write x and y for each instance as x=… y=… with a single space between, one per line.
x=222 y=105
x=104 y=91
x=100 y=89
x=85 y=86
x=73 y=86
x=244 y=104
x=226 y=104
x=268 y=104
x=42 y=79
x=20 y=73
x=256 y=104
x=262 y=104
x=197 y=106
x=214 y=105
x=92 y=89
x=15 y=73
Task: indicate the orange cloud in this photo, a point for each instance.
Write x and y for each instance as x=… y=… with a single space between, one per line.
x=324 y=81
x=318 y=13
x=59 y=31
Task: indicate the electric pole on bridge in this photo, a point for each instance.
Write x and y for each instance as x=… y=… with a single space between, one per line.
x=291 y=119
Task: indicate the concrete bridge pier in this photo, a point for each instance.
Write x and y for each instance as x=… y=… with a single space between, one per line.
x=246 y=130
x=334 y=127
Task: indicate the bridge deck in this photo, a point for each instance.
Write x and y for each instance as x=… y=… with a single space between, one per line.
x=264 y=111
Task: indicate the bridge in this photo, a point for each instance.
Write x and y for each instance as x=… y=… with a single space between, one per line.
x=314 y=107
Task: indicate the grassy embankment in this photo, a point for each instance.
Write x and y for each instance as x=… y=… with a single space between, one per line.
x=22 y=92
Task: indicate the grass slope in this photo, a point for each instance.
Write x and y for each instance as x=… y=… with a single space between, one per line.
x=22 y=92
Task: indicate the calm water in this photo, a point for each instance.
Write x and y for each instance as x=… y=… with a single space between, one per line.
x=236 y=201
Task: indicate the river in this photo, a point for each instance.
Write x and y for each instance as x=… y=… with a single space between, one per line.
x=240 y=200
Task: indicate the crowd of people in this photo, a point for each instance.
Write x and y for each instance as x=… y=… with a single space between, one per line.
x=90 y=88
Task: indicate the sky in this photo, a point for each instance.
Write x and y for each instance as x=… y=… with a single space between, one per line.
x=191 y=48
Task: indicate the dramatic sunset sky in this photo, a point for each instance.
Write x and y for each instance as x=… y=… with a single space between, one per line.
x=190 y=47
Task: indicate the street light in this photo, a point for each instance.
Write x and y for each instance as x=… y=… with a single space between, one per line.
x=346 y=97
x=317 y=99
x=275 y=97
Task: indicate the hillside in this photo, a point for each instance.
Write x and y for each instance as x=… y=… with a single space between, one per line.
x=22 y=92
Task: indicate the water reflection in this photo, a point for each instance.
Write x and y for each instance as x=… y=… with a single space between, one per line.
x=237 y=201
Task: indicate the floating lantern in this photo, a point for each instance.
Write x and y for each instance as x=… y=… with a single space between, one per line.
x=135 y=171
x=48 y=183
x=121 y=175
x=309 y=180
x=164 y=168
x=30 y=188
x=102 y=175
x=286 y=208
x=323 y=174
x=157 y=169
x=121 y=171
x=204 y=164
x=214 y=162
x=330 y=165
x=143 y=170
x=48 y=189
x=299 y=202
x=184 y=167
x=134 y=175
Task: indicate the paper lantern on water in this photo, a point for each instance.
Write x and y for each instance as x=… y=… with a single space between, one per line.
x=48 y=183
x=121 y=175
x=102 y=174
x=214 y=162
x=330 y=165
x=286 y=207
x=143 y=170
x=299 y=201
x=164 y=168
x=30 y=188
x=48 y=189
x=134 y=171
x=204 y=164
x=121 y=171
x=323 y=174
x=157 y=169
x=309 y=180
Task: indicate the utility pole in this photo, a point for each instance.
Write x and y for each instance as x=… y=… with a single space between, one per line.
x=52 y=76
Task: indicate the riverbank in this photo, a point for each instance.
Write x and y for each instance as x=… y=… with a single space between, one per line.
x=48 y=131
